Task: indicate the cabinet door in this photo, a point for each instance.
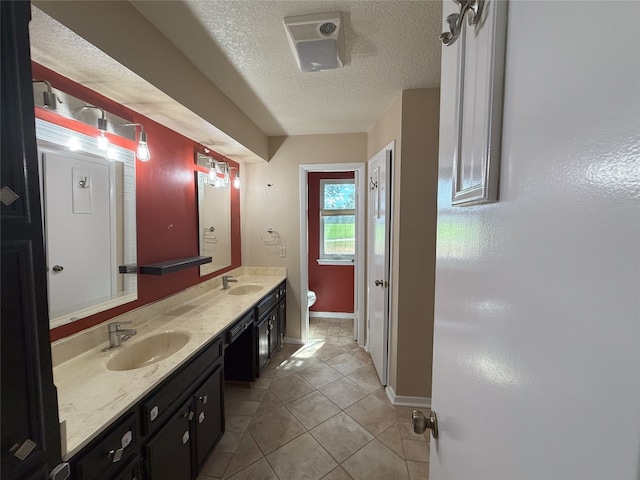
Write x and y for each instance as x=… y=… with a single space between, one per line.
x=209 y=415
x=274 y=336
x=282 y=319
x=263 y=343
x=168 y=454
x=30 y=434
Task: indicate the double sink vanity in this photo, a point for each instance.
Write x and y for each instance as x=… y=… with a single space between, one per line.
x=153 y=407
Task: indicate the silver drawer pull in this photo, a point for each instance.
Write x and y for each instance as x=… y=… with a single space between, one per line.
x=185 y=437
x=23 y=451
x=153 y=413
x=204 y=398
x=116 y=455
x=201 y=417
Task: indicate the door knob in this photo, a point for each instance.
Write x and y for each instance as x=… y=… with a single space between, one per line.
x=379 y=283
x=58 y=268
x=421 y=423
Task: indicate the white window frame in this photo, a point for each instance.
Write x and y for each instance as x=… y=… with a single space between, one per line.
x=326 y=259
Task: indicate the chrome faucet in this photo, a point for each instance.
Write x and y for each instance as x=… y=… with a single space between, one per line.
x=226 y=280
x=117 y=335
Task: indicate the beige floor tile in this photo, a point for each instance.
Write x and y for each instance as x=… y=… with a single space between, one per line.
x=243 y=393
x=313 y=409
x=216 y=464
x=246 y=454
x=416 y=450
x=366 y=377
x=229 y=442
x=406 y=431
x=268 y=372
x=245 y=408
x=376 y=462
x=261 y=470
x=418 y=470
x=275 y=429
x=300 y=362
x=327 y=352
x=372 y=414
x=343 y=392
x=290 y=388
x=392 y=439
x=337 y=473
x=269 y=403
x=301 y=459
x=341 y=436
x=206 y=477
x=320 y=375
x=263 y=382
x=237 y=423
x=345 y=363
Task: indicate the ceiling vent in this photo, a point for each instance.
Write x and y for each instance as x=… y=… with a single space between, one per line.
x=317 y=41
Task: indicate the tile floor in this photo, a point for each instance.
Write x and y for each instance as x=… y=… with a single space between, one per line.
x=318 y=411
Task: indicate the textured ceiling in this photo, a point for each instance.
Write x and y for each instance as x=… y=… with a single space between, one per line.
x=242 y=48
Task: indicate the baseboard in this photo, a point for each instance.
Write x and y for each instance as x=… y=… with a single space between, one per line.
x=292 y=340
x=331 y=315
x=405 y=401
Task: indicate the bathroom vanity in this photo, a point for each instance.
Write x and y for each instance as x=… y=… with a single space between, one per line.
x=162 y=420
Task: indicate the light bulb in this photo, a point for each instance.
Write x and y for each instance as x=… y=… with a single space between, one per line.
x=74 y=144
x=143 y=152
x=111 y=153
x=103 y=142
x=236 y=182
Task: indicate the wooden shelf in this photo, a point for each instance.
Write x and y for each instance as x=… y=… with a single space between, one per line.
x=170 y=266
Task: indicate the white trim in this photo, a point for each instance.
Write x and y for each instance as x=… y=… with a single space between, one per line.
x=332 y=315
x=406 y=401
x=334 y=261
x=359 y=274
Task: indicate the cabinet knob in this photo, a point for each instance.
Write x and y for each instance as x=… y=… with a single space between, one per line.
x=116 y=455
x=204 y=398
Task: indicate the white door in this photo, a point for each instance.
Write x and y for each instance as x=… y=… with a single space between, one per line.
x=77 y=204
x=537 y=320
x=378 y=258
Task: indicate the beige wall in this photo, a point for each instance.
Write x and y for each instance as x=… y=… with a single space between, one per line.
x=412 y=121
x=277 y=206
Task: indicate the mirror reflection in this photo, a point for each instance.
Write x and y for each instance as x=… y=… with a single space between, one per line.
x=214 y=212
x=89 y=223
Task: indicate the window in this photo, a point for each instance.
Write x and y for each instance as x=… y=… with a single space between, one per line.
x=337 y=219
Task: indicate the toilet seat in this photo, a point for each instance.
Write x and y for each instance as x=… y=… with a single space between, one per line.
x=311 y=298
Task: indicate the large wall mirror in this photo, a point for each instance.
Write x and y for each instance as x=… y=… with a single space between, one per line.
x=214 y=213
x=89 y=219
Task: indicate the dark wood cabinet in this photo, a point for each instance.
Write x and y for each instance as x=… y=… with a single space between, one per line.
x=240 y=353
x=262 y=334
x=30 y=434
x=208 y=421
x=168 y=454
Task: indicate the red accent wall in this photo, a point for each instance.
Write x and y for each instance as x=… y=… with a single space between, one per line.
x=166 y=201
x=333 y=284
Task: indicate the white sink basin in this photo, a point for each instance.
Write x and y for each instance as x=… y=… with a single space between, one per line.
x=148 y=351
x=245 y=289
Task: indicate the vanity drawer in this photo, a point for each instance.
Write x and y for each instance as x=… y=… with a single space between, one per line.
x=239 y=327
x=159 y=405
x=110 y=452
x=267 y=302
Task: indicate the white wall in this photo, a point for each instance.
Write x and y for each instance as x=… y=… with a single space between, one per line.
x=277 y=206
x=537 y=313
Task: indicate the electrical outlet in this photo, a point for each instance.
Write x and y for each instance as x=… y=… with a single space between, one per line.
x=283 y=251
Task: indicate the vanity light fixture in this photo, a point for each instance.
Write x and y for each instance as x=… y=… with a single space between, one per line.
x=103 y=141
x=50 y=99
x=236 y=179
x=142 y=152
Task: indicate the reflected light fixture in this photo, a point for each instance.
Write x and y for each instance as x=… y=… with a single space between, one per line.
x=236 y=179
x=50 y=99
x=142 y=151
x=103 y=141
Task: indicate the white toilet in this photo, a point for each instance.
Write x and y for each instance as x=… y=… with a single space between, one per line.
x=311 y=298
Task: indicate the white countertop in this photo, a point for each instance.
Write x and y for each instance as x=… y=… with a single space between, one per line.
x=91 y=397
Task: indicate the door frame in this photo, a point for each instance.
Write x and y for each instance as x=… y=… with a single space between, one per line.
x=359 y=275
